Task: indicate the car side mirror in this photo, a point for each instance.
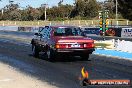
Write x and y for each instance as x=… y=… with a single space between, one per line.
x=36 y=34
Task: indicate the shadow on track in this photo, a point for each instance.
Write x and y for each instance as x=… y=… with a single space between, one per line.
x=62 y=58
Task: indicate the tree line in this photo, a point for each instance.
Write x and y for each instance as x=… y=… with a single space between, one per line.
x=80 y=10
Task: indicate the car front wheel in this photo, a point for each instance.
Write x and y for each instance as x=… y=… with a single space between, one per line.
x=35 y=51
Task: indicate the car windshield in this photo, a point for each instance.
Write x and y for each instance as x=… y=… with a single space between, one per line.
x=67 y=31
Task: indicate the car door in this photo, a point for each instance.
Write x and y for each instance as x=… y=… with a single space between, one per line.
x=44 y=36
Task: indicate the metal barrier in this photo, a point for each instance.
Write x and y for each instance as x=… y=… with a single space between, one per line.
x=126 y=32
x=108 y=44
x=91 y=23
x=9 y=28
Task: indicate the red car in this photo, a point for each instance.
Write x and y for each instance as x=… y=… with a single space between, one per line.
x=62 y=40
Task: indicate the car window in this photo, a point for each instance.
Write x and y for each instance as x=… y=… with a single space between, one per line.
x=43 y=31
x=40 y=29
x=67 y=31
x=46 y=32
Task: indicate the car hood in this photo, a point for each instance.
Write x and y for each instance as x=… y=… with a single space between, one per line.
x=73 y=39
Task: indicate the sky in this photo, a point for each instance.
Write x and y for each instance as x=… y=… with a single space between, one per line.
x=36 y=3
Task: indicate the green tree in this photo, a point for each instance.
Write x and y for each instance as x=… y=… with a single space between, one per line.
x=125 y=8
x=91 y=8
x=11 y=12
x=109 y=5
x=60 y=12
x=32 y=13
x=15 y=15
x=85 y=8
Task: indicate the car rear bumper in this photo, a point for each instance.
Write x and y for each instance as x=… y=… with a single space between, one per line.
x=76 y=50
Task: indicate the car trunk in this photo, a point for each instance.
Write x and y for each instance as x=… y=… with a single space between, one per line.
x=74 y=42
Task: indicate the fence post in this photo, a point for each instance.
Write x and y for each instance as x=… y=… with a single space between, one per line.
x=117 y=22
x=15 y=22
x=127 y=22
x=3 y=23
x=68 y=22
x=86 y=23
x=38 y=22
x=63 y=23
x=10 y=22
x=92 y=22
x=50 y=23
x=79 y=22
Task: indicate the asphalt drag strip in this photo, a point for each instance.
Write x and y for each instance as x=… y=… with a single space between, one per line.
x=63 y=73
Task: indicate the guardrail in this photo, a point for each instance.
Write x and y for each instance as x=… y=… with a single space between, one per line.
x=67 y=22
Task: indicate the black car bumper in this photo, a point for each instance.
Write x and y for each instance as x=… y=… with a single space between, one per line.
x=75 y=50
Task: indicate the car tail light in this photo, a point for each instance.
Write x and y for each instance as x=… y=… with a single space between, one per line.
x=89 y=45
x=61 y=46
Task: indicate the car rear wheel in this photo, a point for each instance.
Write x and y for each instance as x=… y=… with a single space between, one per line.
x=35 y=51
x=85 y=57
x=50 y=55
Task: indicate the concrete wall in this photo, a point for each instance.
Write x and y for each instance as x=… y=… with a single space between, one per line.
x=9 y=28
x=119 y=45
x=125 y=46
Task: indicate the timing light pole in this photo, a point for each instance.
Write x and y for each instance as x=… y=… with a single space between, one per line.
x=103 y=16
